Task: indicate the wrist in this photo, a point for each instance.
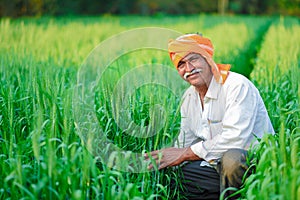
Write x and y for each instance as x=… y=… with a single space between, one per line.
x=189 y=155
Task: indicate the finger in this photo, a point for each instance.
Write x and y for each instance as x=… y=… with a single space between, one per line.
x=157 y=163
x=152 y=155
x=150 y=161
x=146 y=156
x=153 y=165
x=150 y=167
x=162 y=165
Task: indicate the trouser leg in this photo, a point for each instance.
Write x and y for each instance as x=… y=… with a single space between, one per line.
x=232 y=169
x=202 y=182
x=199 y=182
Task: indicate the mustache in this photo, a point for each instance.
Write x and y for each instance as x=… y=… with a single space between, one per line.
x=194 y=71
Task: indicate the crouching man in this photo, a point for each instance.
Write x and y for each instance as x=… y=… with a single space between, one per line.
x=221 y=114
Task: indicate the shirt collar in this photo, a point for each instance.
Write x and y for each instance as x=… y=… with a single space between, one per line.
x=213 y=89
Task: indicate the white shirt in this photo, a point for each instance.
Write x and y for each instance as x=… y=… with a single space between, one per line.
x=233 y=115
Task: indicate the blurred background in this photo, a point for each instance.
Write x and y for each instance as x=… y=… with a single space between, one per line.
x=18 y=8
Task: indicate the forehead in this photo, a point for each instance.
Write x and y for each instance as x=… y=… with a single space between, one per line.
x=191 y=55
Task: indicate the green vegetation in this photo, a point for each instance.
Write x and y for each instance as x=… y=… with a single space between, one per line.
x=17 y=8
x=43 y=157
x=277 y=76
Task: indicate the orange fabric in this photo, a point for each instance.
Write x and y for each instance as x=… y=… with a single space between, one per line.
x=194 y=43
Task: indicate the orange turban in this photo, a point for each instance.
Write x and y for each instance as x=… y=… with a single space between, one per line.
x=194 y=43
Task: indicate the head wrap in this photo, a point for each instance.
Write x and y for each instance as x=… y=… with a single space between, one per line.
x=194 y=43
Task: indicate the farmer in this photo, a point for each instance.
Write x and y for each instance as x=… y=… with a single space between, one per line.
x=222 y=113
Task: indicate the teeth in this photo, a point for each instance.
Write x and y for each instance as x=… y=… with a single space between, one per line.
x=191 y=73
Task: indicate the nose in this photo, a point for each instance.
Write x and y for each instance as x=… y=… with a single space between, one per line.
x=189 y=67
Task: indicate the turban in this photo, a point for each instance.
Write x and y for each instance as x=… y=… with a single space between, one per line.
x=194 y=43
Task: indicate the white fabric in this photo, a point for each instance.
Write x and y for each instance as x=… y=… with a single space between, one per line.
x=233 y=113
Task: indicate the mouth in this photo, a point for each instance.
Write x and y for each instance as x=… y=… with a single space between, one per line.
x=194 y=71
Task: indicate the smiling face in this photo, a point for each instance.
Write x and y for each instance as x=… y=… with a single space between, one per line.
x=194 y=69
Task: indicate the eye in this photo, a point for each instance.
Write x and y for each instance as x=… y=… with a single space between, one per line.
x=181 y=65
x=194 y=60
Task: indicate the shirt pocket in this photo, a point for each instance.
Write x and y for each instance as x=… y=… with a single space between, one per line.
x=215 y=128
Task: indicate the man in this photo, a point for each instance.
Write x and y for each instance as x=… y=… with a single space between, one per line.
x=221 y=115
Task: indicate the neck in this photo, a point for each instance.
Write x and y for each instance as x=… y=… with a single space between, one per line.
x=202 y=91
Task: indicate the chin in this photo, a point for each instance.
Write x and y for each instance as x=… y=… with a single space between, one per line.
x=196 y=84
x=193 y=81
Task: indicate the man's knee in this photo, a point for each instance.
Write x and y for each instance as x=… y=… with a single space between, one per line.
x=234 y=158
x=233 y=167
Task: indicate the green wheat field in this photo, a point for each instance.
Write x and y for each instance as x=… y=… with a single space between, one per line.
x=42 y=154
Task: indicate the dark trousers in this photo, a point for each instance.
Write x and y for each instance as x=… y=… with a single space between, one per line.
x=205 y=182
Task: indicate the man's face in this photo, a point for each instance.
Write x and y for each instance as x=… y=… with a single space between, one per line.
x=195 y=70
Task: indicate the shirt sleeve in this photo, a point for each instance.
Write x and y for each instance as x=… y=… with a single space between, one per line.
x=186 y=136
x=236 y=126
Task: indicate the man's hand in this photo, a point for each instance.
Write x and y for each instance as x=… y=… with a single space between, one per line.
x=171 y=157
